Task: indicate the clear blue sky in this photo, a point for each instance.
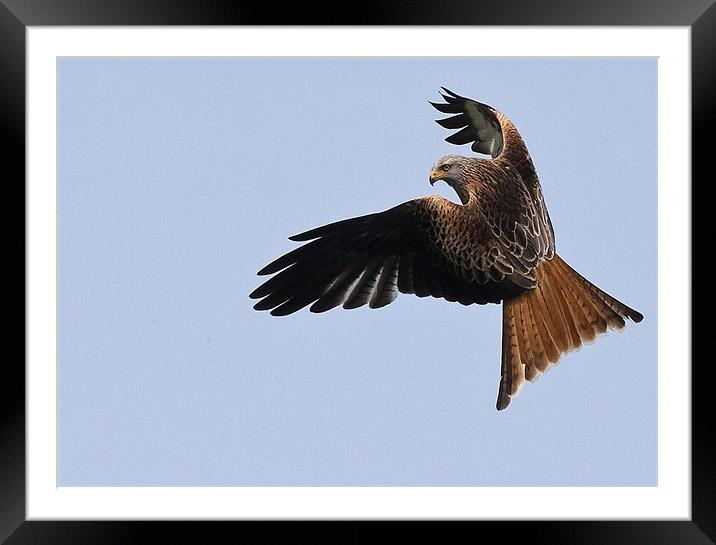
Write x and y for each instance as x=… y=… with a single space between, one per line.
x=180 y=178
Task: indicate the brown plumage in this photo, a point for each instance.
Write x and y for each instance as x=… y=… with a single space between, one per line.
x=497 y=247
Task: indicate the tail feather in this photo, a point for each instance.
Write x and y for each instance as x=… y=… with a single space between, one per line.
x=580 y=305
x=563 y=312
x=525 y=343
x=513 y=371
x=541 y=360
x=574 y=337
x=554 y=319
x=617 y=306
x=541 y=317
x=582 y=314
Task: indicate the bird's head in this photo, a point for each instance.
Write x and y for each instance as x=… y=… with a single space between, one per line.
x=448 y=168
x=452 y=169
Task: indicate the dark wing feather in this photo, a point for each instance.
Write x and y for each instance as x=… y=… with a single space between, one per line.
x=478 y=123
x=368 y=260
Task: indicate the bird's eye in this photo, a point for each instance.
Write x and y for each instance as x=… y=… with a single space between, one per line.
x=446 y=167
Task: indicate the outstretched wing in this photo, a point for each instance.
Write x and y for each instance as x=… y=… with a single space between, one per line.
x=478 y=123
x=368 y=260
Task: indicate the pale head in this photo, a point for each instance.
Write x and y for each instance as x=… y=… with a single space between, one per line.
x=449 y=168
x=453 y=169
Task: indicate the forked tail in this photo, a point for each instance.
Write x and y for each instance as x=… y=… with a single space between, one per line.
x=564 y=311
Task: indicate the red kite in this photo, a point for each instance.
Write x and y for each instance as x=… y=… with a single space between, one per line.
x=497 y=247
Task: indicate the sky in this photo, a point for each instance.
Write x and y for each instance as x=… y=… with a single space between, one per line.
x=179 y=178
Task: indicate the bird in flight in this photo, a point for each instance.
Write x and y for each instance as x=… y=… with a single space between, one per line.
x=496 y=247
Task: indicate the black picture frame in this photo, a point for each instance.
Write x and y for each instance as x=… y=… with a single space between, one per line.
x=16 y=15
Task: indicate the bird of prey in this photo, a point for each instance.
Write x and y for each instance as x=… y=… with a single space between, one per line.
x=496 y=247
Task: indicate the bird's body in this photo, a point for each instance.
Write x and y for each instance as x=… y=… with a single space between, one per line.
x=496 y=247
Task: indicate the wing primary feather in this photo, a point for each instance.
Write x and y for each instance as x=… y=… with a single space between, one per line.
x=447 y=108
x=276 y=282
x=405 y=276
x=455 y=95
x=336 y=294
x=275 y=298
x=384 y=289
x=304 y=295
x=362 y=290
x=453 y=122
x=294 y=274
x=468 y=134
x=332 y=228
x=302 y=252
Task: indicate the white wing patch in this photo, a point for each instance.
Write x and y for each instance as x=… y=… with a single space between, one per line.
x=478 y=123
x=489 y=136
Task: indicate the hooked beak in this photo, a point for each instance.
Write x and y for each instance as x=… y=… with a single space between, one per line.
x=435 y=176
